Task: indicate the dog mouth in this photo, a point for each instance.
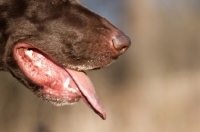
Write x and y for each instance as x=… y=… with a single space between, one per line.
x=60 y=85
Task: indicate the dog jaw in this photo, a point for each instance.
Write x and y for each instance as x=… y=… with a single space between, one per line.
x=60 y=86
x=66 y=34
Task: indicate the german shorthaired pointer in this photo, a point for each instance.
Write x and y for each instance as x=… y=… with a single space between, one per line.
x=48 y=44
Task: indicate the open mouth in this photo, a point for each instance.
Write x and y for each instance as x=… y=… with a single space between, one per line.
x=60 y=85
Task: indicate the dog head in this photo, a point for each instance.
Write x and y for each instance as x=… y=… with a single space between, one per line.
x=49 y=43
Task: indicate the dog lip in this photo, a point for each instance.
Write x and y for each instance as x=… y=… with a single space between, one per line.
x=86 y=89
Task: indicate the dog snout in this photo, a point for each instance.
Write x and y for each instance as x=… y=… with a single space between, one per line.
x=121 y=43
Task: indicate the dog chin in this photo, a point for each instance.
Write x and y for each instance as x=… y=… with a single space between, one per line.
x=58 y=101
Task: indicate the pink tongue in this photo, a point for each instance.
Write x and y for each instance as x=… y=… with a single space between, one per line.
x=32 y=63
x=87 y=92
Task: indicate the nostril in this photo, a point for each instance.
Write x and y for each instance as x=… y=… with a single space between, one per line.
x=122 y=43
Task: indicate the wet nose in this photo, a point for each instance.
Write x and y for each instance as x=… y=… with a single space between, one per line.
x=121 y=43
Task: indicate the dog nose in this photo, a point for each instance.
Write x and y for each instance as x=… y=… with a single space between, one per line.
x=121 y=43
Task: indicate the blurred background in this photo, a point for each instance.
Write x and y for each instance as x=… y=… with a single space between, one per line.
x=153 y=87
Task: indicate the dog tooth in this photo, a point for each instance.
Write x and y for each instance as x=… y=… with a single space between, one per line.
x=66 y=83
x=39 y=64
x=40 y=56
x=73 y=90
x=29 y=53
x=49 y=73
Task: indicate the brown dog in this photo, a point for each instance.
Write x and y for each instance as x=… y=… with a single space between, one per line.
x=47 y=44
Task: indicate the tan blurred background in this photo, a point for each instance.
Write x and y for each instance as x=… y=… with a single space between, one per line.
x=154 y=87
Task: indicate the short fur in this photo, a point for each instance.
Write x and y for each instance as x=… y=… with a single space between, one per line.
x=68 y=32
